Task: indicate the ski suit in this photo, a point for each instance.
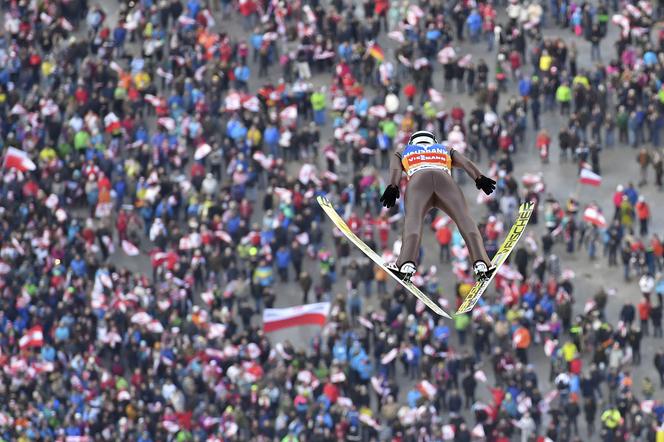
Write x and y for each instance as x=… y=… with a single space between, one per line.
x=430 y=184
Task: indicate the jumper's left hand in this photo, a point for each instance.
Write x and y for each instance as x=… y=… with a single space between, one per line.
x=486 y=184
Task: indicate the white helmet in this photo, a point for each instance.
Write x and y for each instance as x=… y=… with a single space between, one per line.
x=423 y=138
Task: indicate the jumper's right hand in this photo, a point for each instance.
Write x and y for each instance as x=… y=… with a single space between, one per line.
x=390 y=196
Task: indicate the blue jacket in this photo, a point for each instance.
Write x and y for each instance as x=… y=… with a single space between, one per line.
x=283 y=258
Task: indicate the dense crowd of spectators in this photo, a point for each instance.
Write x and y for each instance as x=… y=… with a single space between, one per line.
x=162 y=138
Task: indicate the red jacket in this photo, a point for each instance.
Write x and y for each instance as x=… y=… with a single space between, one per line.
x=644 y=310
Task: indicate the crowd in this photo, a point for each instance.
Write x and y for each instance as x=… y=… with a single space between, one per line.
x=166 y=196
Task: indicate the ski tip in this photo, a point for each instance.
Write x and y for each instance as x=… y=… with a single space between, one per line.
x=440 y=312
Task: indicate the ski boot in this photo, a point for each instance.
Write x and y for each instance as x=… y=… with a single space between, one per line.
x=482 y=272
x=405 y=272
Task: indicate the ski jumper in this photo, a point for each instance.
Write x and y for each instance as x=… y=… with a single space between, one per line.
x=430 y=184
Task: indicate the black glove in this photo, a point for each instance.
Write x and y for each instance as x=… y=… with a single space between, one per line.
x=486 y=184
x=390 y=196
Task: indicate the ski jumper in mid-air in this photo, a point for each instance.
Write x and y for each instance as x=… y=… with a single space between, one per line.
x=428 y=165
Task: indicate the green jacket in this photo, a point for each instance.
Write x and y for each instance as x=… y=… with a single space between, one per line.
x=461 y=322
x=563 y=94
x=318 y=101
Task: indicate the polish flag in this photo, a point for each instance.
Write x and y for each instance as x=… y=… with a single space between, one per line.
x=377 y=385
x=202 y=151
x=216 y=331
x=508 y=272
x=112 y=123
x=141 y=318
x=34 y=337
x=589 y=177
x=251 y=104
x=224 y=236
x=153 y=100
x=413 y=14
x=5 y=420
x=207 y=297
x=233 y=101
x=550 y=346
x=338 y=377
x=213 y=353
x=436 y=96
x=19 y=160
x=167 y=122
x=478 y=431
x=289 y=114
x=155 y=326
x=480 y=376
x=308 y=314
x=129 y=248
x=440 y=221
x=594 y=216
x=396 y=36
x=389 y=356
x=365 y=322
x=427 y=389
x=158 y=258
x=378 y=111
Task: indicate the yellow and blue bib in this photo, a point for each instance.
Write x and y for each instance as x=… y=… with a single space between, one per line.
x=415 y=158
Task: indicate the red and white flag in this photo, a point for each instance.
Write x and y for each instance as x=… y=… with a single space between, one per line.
x=427 y=389
x=202 y=151
x=436 y=96
x=478 y=431
x=233 y=101
x=34 y=337
x=594 y=216
x=396 y=36
x=480 y=376
x=207 y=297
x=19 y=160
x=389 y=356
x=448 y=432
x=129 y=248
x=155 y=326
x=5 y=419
x=216 y=331
x=377 y=385
x=289 y=114
x=440 y=221
x=307 y=314
x=589 y=177
x=507 y=272
x=365 y=322
x=251 y=104
x=378 y=111
x=167 y=122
